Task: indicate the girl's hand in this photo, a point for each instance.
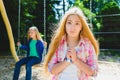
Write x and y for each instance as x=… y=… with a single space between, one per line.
x=18 y=44
x=72 y=54
x=69 y=54
x=45 y=44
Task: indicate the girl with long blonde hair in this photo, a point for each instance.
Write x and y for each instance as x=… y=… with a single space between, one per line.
x=34 y=50
x=72 y=54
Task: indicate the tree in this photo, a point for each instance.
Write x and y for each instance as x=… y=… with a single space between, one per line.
x=90 y=15
x=9 y=31
x=110 y=23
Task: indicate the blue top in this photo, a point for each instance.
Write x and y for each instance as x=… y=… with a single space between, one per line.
x=39 y=48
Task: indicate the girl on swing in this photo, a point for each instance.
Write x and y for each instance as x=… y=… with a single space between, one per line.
x=72 y=54
x=34 y=49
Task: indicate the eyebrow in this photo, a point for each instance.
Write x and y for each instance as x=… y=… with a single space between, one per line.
x=75 y=21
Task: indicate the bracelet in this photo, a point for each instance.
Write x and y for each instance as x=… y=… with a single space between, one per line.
x=68 y=60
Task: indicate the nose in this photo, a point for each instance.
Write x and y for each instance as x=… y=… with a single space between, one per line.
x=30 y=34
x=72 y=27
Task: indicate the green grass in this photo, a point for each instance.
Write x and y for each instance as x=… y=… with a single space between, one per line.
x=110 y=55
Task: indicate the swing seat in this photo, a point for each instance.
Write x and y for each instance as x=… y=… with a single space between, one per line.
x=37 y=65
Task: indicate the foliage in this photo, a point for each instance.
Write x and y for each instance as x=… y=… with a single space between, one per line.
x=103 y=23
x=110 y=24
x=27 y=16
x=90 y=15
x=32 y=13
x=11 y=11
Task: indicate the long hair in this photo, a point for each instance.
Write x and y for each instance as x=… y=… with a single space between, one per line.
x=86 y=32
x=38 y=35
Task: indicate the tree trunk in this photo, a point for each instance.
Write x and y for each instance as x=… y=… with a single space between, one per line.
x=9 y=30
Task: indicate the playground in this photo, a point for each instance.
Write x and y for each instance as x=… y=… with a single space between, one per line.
x=107 y=70
x=105 y=27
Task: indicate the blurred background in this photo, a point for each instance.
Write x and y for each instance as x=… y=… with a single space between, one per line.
x=103 y=18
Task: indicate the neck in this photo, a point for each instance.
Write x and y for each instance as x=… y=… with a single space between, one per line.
x=72 y=42
x=34 y=39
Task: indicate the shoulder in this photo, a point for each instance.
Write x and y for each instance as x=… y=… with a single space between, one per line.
x=39 y=42
x=86 y=43
x=28 y=41
x=85 y=40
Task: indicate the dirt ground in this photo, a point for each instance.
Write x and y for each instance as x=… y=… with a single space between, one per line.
x=107 y=71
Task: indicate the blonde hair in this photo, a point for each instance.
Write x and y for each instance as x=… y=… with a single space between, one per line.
x=38 y=35
x=86 y=32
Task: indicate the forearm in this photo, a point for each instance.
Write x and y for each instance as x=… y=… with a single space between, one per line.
x=57 y=68
x=24 y=47
x=84 y=67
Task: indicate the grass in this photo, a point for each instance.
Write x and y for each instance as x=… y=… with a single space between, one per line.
x=110 y=55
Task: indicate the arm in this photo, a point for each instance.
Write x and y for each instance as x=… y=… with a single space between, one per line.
x=40 y=48
x=55 y=66
x=59 y=67
x=22 y=46
x=90 y=67
x=84 y=67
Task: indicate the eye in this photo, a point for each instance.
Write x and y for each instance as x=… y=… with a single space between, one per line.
x=29 y=32
x=77 y=23
x=68 y=22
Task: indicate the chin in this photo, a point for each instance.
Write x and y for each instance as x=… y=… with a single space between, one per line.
x=73 y=36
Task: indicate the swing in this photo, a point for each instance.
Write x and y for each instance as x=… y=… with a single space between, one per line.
x=19 y=11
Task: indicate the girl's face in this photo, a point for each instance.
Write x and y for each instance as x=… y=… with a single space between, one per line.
x=73 y=26
x=32 y=34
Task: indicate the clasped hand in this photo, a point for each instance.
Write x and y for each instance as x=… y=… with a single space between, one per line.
x=71 y=54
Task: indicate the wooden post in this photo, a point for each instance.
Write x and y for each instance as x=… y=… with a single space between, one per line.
x=9 y=31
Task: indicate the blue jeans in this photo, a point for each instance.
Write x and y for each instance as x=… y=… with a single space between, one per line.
x=29 y=61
